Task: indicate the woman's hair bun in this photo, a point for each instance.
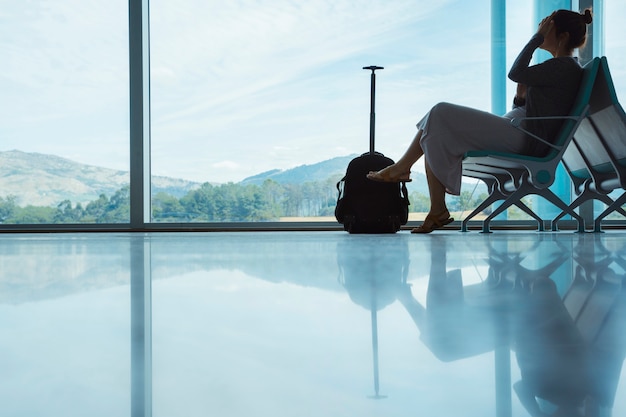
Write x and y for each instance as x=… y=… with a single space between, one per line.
x=587 y=16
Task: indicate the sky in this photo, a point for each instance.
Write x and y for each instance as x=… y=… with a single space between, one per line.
x=242 y=87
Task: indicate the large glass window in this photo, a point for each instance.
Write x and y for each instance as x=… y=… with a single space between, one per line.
x=258 y=106
x=64 y=154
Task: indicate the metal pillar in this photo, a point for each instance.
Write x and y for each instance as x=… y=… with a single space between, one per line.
x=498 y=57
x=139 y=64
x=498 y=66
x=594 y=48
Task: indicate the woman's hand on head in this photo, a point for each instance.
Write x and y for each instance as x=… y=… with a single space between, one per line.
x=546 y=25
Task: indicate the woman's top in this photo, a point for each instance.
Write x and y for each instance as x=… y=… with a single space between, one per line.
x=552 y=87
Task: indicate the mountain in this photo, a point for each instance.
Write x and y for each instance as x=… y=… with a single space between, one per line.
x=320 y=171
x=336 y=167
x=44 y=180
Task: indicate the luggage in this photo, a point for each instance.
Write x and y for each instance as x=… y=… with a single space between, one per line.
x=366 y=206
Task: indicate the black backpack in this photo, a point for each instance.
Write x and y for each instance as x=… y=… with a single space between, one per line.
x=366 y=206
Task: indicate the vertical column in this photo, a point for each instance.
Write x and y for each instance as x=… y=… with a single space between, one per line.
x=498 y=56
x=140 y=327
x=139 y=63
x=594 y=47
x=595 y=34
x=498 y=64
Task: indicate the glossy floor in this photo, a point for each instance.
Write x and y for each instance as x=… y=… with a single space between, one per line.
x=312 y=324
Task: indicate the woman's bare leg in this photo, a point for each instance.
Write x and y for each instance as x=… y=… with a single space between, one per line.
x=401 y=170
x=437 y=191
x=438 y=216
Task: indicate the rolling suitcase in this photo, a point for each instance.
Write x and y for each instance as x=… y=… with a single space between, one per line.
x=366 y=206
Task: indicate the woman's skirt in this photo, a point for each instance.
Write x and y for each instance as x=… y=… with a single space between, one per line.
x=449 y=131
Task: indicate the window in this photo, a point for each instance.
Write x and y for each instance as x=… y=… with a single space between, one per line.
x=258 y=106
x=64 y=112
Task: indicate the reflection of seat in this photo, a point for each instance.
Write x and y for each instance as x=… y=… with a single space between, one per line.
x=609 y=350
x=505 y=267
x=596 y=159
x=597 y=306
x=523 y=175
x=577 y=293
x=596 y=300
x=461 y=321
x=551 y=354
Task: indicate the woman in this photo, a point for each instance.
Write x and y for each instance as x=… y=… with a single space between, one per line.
x=448 y=131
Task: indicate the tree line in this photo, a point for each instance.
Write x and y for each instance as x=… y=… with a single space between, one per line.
x=229 y=202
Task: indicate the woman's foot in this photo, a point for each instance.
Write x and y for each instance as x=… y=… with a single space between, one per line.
x=433 y=222
x=389 y=174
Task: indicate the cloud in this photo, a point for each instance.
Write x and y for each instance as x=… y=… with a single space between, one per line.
x=230 y=165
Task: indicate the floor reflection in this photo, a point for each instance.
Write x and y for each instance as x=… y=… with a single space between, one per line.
x=141 y=326
x=316 y=324
x=569 y=347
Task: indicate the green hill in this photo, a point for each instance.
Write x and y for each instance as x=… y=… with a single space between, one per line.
x=46 y=180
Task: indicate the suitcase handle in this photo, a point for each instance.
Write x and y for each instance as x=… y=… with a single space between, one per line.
x=372 y=100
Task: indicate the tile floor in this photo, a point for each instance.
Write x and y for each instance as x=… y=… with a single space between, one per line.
x=300 y=324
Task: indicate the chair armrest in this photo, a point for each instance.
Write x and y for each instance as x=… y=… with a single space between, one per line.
x=517 y=123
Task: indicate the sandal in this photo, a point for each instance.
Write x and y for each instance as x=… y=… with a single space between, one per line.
x=385 y=176
x=434 y=224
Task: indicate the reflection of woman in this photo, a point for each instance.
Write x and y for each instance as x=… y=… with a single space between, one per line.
x=551 y=353
x=450 y=327
x=448 y=131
